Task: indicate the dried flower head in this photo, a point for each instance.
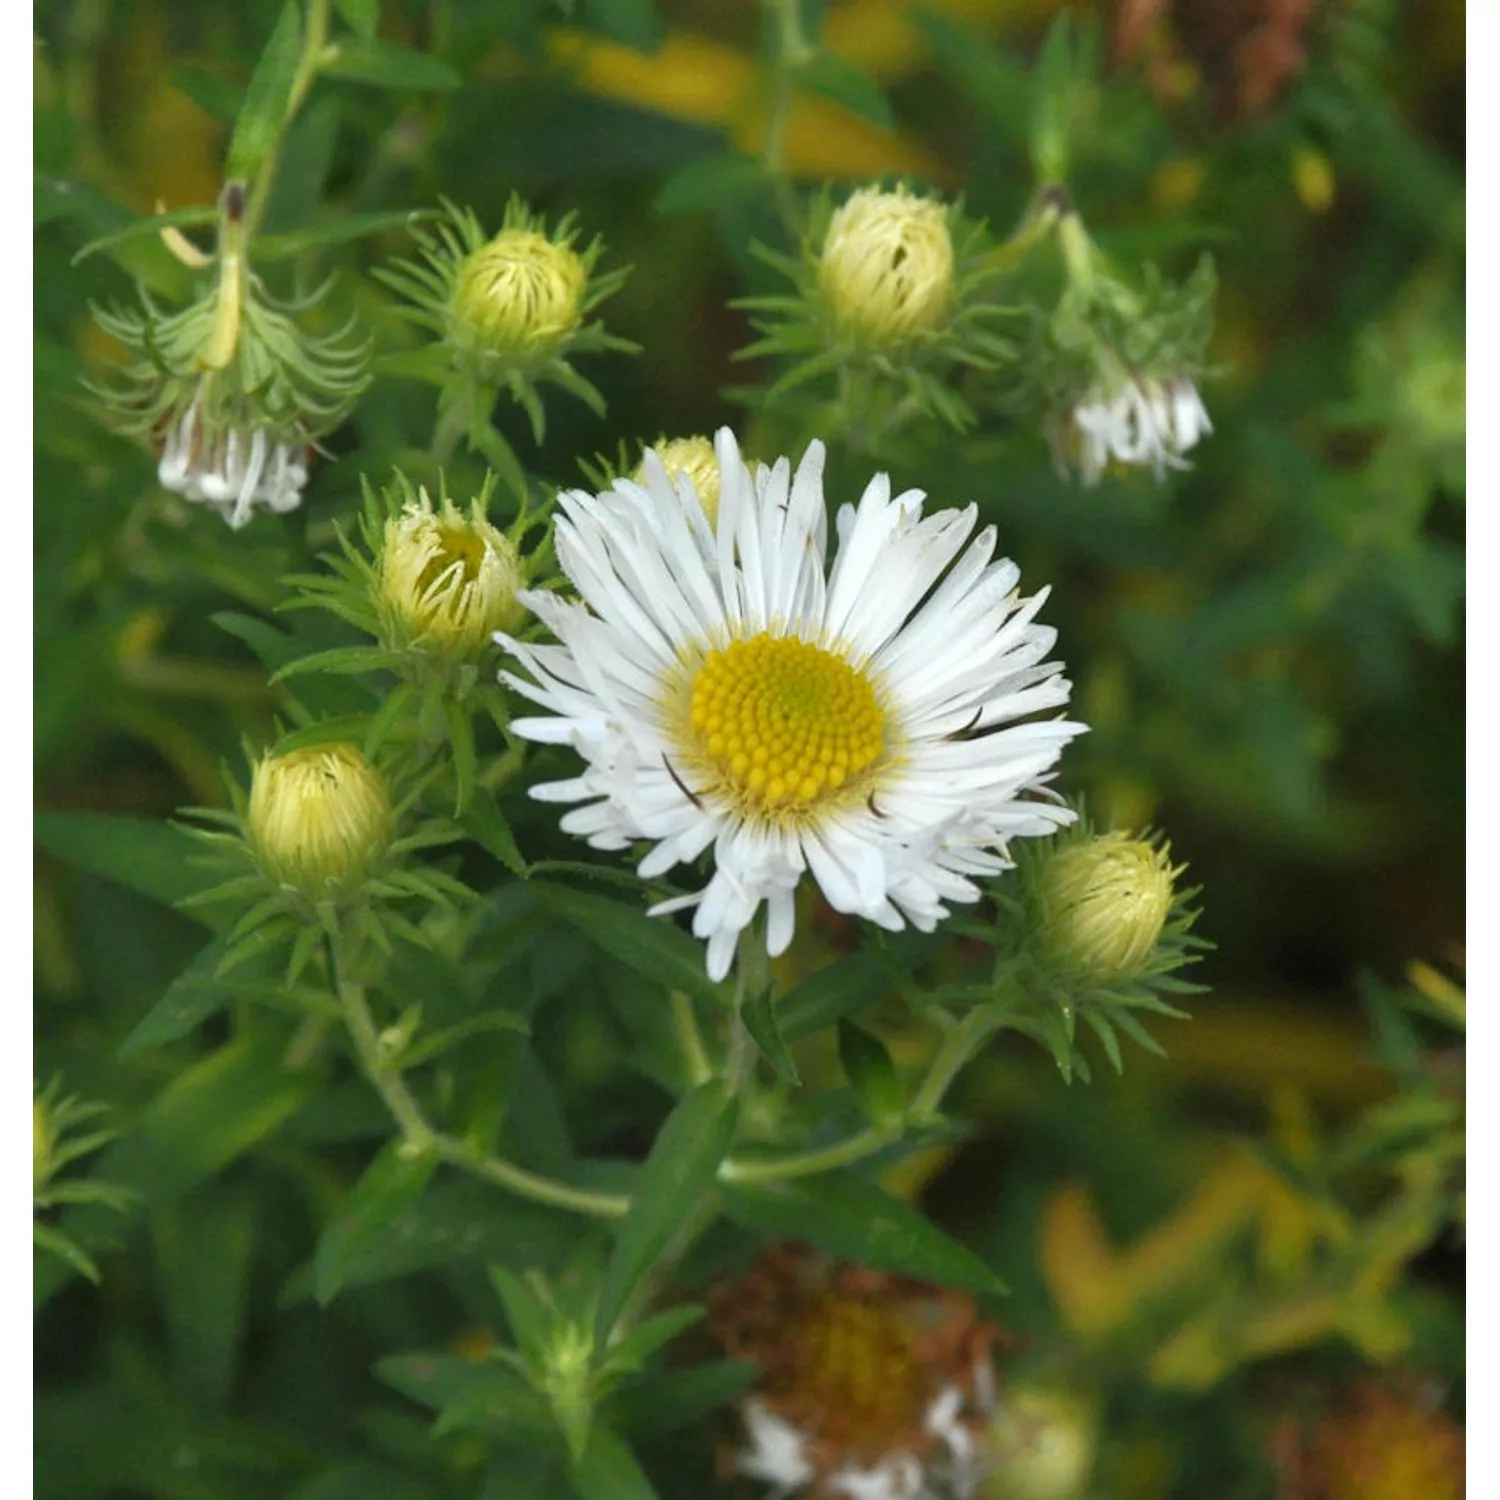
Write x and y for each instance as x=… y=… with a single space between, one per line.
x=872 y=1386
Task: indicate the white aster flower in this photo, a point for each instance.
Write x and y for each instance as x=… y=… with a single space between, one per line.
x=1140 y=421
x=234 y=470
x=725 y=688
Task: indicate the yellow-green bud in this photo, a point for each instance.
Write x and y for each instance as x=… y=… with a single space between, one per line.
x=520 y=295
x=695 y=457
x=41 y=1145
x=318 y=816
x=1040 y=1444
x=887 y=268
x=1105 y=903
x=448 y=580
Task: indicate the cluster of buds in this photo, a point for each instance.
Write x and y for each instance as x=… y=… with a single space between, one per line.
x=510 y=311
x=231 y=389
x=893 y=292
x=1115 y=369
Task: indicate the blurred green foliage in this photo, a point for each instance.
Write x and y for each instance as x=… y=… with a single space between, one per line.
x=1267 y=648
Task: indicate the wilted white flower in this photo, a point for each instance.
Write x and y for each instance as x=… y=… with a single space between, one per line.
x=1140 y=421
x=234 y=469
x=726 y=689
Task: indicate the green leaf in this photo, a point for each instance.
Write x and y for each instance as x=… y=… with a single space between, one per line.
x=269 y=247
x=648 y=945
x=711 y=182
x=871 y=1073
x=386 y=65
x=530 y=1319
x=465 y=762
x=190 y=999
x=207 y=1116
x=345 y=728
x=274 y=647
x=759 y=1015
x=54 y=1242
x=848 y=85
x=485 y=824
x=633 y=22
x=646 y=1338
x=467 y=1394
x=150 y=858
x=662 y=1401
x=362 y=15
x=216 y=96
x=682 y=1166
x=391 y=1184
x=608 y=1470
x=850 y=1217
x=463 y=1223
x=178 y=218
x=841 y=988
x=268 y=98
x=204 y=1251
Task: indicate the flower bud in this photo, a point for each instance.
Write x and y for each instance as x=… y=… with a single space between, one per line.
x=695 y=457
x=1040 y=1444
x=886 y=274
x=1104 y=904
x=447 y=580
x=318 y=817
x=520 y=296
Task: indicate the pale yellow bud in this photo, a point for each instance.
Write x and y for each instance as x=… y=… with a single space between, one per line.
x=1106 y=902
x=519 y=295
x=695 y=457
x=887 y=268
x=448 y=580
x=41 y=1145
x=1040 y=1445
x=318 y=816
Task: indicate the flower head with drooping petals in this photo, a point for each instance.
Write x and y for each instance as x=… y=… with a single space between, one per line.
x=726 y=689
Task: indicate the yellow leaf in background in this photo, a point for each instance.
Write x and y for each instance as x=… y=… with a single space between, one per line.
x=705 y=82
x=881 y=37
x=1312 y=177
x=1097 y=1289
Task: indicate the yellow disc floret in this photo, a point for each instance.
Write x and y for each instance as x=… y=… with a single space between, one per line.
x=783 y=722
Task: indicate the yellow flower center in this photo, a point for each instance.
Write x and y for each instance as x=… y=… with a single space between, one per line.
x=783 y=722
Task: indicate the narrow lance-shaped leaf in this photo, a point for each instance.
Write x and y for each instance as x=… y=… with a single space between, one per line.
x=682 y=1166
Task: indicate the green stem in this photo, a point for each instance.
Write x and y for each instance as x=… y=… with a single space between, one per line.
x=809 y=1163
x=314 y=40
x=792 y=53
x=690 y=1041
x=387 y=1081
x=960 y=1045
